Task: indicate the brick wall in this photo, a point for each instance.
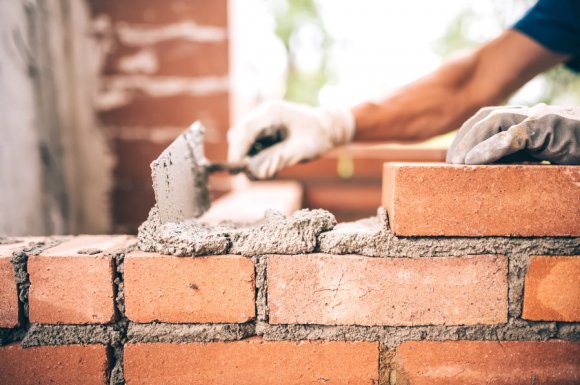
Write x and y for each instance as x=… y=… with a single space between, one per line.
x=367 y=307
x=166 y=65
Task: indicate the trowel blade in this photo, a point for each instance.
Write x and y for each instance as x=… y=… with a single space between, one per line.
x=180 y=177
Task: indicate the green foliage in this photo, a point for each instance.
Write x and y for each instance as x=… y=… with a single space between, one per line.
x=560 y=84
x=455 y=39
x=291 y=15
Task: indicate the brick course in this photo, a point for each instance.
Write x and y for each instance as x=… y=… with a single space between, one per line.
x=487 y=362
x=173 y=289
x=552 y=289
x=153 y=12
x=299 y=301
x=178 y=57
x=72 y=364
x=251 y=362
x=454 y=200
x=172 y=110
x=356 y=290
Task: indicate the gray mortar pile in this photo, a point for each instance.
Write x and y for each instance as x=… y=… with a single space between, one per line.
x=274 y=234
x=306 y=231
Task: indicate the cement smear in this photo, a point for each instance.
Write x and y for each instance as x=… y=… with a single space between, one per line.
x=392 y=336
x=180 y=177
x=184 y=238
x=40 y=335
x=274 y=234
x=183 y=333
x=373 y=237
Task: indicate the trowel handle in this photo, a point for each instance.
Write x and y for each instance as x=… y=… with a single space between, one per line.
x=267 y=138
x=232 y=168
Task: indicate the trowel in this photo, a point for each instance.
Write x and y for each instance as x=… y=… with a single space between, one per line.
x=180 y=174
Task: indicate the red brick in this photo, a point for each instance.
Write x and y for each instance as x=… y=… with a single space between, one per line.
x=8 y=289
x=366 y=160
x=355 y=290
x=356 y=200
x=487 y=362
x=8 y=294
x=204 y=12
x=443 y=199
x=344 y=196
x=177 y=57
x=174 y=289
x=552 y=289
x=71 y=287
x=131 y=202
x=134 y=157
x=176 y=110
x=71 y=364
x=251 y=362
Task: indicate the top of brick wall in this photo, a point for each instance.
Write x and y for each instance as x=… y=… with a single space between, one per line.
x=90 y=245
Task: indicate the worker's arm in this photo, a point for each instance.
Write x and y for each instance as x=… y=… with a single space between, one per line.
x=442 y=101
x=435 y=104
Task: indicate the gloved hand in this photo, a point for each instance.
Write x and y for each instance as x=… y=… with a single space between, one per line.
x=309 y=132
x=544 y=132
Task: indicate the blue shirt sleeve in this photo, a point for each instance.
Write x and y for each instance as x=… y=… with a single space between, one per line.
x=555 y=24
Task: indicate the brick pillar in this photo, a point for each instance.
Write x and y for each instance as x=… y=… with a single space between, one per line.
x=166 y=66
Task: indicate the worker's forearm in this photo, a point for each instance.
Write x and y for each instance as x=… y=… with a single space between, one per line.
x=425 y=108
x=441 y=101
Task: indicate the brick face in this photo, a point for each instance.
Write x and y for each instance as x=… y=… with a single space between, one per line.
x=8 y=294
x=348 y=290
x=353 y=202
x=176 y=57
x=153 y=12
x=453 y=200
x=132 y=202
x=364 y=161
x=174 y=289
x=8 y=289
x=73 y=282
x=487 y=362
x=174 y=110
x=552 y=289
x=72 y=364
x=251 y=362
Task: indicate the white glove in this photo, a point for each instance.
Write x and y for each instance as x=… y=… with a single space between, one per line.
x=542 y=132
x=309 y=132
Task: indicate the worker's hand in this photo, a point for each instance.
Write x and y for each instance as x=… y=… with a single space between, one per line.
x=309 y=132
x=544 y=132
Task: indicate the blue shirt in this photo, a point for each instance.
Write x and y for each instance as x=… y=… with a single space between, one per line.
x=555 y=24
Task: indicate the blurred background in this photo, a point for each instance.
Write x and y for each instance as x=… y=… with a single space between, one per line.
x=91 y=91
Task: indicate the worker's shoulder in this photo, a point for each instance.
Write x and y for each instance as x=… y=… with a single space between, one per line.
x=555 y=24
